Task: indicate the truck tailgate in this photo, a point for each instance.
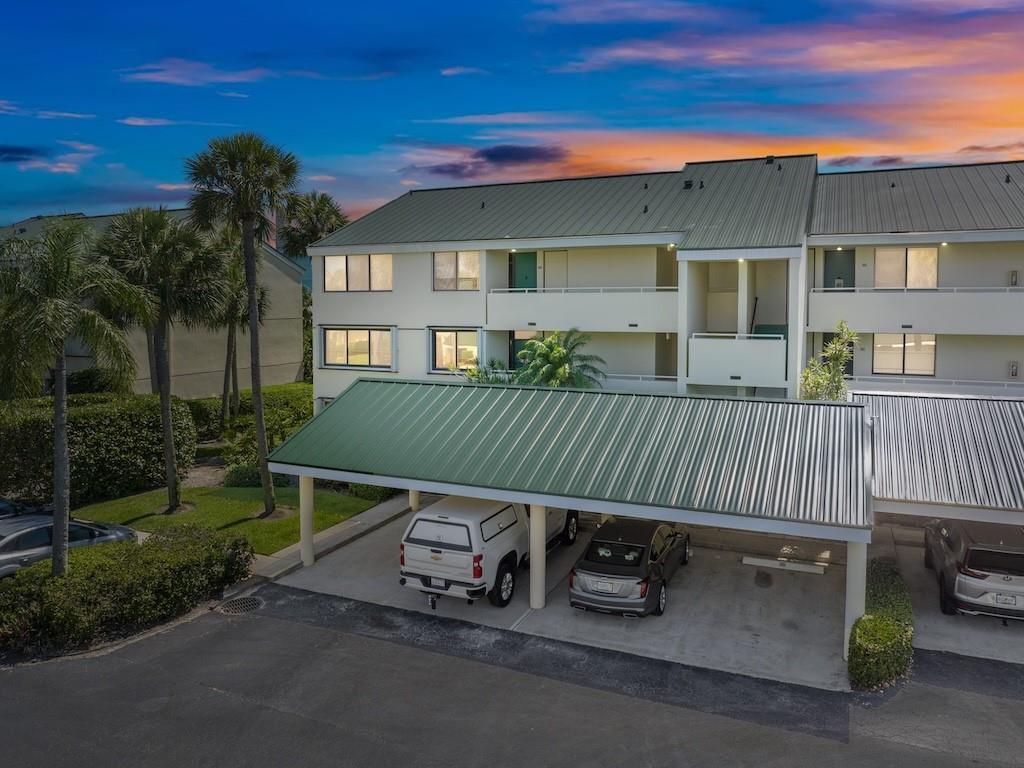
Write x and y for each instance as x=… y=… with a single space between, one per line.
x=442 y=563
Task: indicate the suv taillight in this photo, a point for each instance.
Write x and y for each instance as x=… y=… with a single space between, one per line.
x=401 y=554
x=478 y=569
x=572 y=577
x=968 y=572
x=643 y=588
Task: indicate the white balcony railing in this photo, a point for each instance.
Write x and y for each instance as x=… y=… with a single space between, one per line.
x=963 y=310
x=589 y=308
x=737 y=359
x=929 y=384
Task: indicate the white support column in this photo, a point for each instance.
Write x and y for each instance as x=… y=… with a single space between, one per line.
x=856 y=585
x=683 y=322
x=306 y=520
x=743 y=302
x=414 y=500
x=538 y=555
x=796 y=295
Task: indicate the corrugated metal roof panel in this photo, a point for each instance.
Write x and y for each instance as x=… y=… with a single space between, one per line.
x=742 y=204
x=785 y=460
x=946 y=199
x=935 y=449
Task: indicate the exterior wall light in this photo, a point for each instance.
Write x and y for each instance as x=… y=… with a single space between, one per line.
x=945 y=244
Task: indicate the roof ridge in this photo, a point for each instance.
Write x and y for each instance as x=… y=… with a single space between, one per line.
x=923 y=167
x=543 y=181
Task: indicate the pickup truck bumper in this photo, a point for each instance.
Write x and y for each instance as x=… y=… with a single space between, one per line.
x=431 y=585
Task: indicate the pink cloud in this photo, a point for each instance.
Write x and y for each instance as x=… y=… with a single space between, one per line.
x=192 y=73
x=322 y=177
x=173 y=187
x=456 y=71
x=49 y=114
x=66 y=162
x=617 y=11
x=510 y=118
x=146 y=121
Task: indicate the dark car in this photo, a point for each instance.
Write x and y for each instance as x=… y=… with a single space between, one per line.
x=24 y=539
x=627 y=566
x=979 y=567
x=10 y=508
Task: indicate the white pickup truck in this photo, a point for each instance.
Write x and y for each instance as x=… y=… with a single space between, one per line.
x=473 y=547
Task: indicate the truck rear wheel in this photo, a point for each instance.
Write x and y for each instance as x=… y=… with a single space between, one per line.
x=504 y=584
x=572 y=527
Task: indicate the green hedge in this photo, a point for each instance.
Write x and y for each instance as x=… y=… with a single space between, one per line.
x=115 y=445
x=96 y=380
x=112 y=590
x=375 y=493
x=881 y=641
x=293 y=402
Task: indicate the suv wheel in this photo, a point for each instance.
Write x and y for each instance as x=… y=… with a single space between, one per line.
x=659 y=607
x=946 y=604
x=504 y=585
x=572 y=528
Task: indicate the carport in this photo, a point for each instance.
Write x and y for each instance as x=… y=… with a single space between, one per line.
x=783 y=467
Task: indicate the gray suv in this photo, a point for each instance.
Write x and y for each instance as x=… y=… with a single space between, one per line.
x=979 y=566
x=25 y=539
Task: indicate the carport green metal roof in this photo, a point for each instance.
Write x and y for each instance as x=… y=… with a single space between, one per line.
x=647 y=455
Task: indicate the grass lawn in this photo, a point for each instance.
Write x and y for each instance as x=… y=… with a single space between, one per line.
x=233 y=509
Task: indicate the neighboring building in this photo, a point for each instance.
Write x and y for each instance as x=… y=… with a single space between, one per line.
x=198 y=355
x=723 y=277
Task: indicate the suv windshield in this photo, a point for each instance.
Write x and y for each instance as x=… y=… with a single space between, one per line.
x=991 y=561
x=615 y=553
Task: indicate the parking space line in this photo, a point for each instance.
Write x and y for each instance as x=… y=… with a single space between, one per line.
x=521 y=619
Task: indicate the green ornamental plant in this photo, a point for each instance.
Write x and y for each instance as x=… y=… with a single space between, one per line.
x=824 y=377
x=558 y=360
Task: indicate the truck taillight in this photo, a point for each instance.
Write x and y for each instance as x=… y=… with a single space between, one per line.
x=572 y=577
x=968 y=572
x=478 y=569
x=401 y=554
x=643 y=587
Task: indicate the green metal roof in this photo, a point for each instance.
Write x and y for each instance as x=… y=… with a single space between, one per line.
x=786 y=460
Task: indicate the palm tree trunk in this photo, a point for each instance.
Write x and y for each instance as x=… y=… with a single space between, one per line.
x=154 y=385
x=167 y=425
x=61 y=466
x=249 y=249
x=226 y=391
x=236 y=394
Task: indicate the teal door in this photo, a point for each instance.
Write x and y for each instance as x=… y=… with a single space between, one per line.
x=524 y=270
x=839 y=269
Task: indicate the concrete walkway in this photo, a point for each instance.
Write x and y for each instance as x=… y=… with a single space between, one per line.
x=289 y=559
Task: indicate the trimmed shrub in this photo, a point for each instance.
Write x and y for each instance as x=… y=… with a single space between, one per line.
x=248 y=476
x=881 y=641
x=96 y=380
x=113 y=590
x=375 y=493
x=206 y=416
x=115 y=445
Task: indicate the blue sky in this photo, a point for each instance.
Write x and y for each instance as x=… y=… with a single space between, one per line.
x=100 y=106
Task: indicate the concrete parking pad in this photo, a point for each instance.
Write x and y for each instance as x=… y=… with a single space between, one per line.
x=721 y=615
x=983 y=636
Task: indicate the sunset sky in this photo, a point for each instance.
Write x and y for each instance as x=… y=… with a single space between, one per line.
x=99 y=106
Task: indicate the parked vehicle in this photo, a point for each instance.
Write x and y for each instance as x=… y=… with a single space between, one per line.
x=9 y=508
x=979 y=566
x=25 y=539
x=627 y=567
x=470 y=548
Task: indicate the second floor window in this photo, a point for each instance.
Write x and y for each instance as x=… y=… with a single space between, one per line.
x=904 y=354
x=906 y=267
x=357 y=347
x=357 y=272
x=457 y=271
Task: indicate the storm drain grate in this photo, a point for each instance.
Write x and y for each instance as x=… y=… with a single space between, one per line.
x=238 y=605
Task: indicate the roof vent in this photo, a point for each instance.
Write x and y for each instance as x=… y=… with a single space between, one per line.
x=645 y=209
x=778 y=167
x=892 y=185
x=645 y=185
x=688 y=184
x=770 y=160
x=482 y=204
x=1007 y=178
x=702 y=183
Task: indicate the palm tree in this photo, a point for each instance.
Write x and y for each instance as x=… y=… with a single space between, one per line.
x=185 y=282
x=558 y=360
x=242 y=180
x=54 y=289
x=308 y=218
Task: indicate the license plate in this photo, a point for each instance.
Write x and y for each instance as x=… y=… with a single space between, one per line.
x=1006 y=599
x=604 y=586
x=434 y=582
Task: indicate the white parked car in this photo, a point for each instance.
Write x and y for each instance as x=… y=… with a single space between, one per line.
x=473 y=547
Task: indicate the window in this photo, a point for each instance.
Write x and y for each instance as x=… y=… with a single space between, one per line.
x=357 y=347
x=904 y=354
x=454 y=349
x=357 y=272
x=906 y=267
x=498 y=523
x=440 y=535
x=615 y=553
x=34 y=539
x=78 y=532
x=457 y=271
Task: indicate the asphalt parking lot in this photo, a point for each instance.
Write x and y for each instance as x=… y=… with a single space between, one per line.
x=722 y=614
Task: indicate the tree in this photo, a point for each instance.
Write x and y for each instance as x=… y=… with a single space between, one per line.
x=184 y=280
x=54 y=289
x=241 y=180
x=558 y=360
x=308 y=218
x=492 y=372
x=824 y=378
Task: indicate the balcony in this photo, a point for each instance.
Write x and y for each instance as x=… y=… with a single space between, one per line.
x=646 y=384
x=737 y=359
x=985 y=311
x=650 y=309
